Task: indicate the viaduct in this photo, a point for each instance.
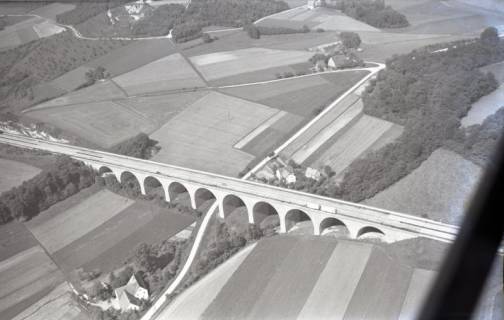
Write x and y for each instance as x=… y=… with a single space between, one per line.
x=260 y=200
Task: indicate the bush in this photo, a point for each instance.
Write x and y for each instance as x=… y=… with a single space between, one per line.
x=252 y=31
x=140 y=146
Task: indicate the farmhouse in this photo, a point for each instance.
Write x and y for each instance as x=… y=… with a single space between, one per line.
x=130 y=296
x=337 y=61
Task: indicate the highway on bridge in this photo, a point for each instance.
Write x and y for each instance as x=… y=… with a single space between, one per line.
x=423 y=227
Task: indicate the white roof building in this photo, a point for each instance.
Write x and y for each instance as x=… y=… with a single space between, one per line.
x=130 y=296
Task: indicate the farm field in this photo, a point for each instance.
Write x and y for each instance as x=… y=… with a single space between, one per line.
x=58 y=304
x=489 y=104
x=133 y=56
x=325 y=18
x=55 y=229
x=341 y=150
x=301 y=96
x=345 y=107
x=25 y=278
x=107 y=246
x=193 y=301
x=228 y=63
x=235 y=40
x=168 y=73
x=102 y=123
x=14 y=173
x=261 y=75
x=340 y=271
x=161 y=108
x=100 y=91
x=32 y=28
x=441 y=187
x=184 y=140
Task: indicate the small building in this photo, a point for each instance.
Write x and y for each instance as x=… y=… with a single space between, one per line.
x=287 y=174
x=130 y=296
x=337 y=61
x=314 y=174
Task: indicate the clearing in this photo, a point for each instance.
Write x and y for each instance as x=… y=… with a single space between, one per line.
x=441 y=188
x=202 y=136
x=14 y=173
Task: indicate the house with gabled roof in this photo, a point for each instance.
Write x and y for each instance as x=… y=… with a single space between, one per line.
x=131 y=295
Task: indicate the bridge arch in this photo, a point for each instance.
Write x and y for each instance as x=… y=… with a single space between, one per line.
x=231 y=203
x=153 y=186
x=178 y=193
x=370 y=231
x=131 y=182
x=265 y=216
x=333 y=224
x=202 y=195
x=297 y=218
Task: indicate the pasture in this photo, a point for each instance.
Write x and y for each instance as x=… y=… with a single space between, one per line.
x=441 y=188
x=59 y=226
x=300 y=96
x=168 y=73
x=228 y=63
x=14 y=173
x=202 y=136
x=325 y=18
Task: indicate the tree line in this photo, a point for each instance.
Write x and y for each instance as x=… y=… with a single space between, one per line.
x=373 y=12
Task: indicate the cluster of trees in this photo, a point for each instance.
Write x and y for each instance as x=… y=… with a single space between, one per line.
x=428 y=91
x=228 y=13
x=65 y=178
x=95 y=74
x=139 y=146
x=255 y=32
x=350 y=39
x=373 y=12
